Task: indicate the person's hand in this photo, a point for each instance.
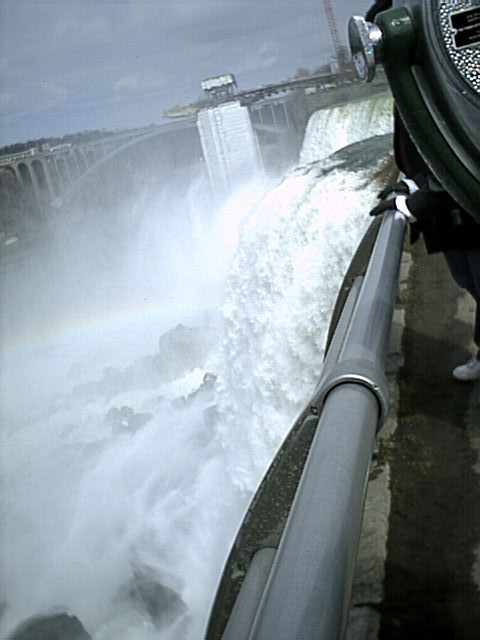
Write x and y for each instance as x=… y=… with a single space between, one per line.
x=399 y=203
x=404 y=187
x=394 y=198
x=416 y=204
x=383 y=207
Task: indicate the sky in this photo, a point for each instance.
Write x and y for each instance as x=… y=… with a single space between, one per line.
x=75 y=65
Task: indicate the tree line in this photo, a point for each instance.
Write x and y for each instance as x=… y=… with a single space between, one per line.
x=74 y=138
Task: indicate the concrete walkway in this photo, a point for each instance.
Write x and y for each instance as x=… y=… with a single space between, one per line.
x=418 y=570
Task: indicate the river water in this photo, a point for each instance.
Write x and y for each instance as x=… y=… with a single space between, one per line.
x=152 y=362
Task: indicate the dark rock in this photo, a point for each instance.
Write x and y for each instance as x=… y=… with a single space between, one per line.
x=112 y=418
x=126 y=413
x=164 y=605
x=87 y=390
x=60 y=626
x=181 y=350
x=139 y=420
x=125 y=420
x=208 y=383
x=211 y=416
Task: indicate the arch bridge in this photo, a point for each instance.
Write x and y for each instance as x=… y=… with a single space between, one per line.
x=53 y=172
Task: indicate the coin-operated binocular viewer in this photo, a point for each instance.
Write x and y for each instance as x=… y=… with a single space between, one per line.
x=430 y=51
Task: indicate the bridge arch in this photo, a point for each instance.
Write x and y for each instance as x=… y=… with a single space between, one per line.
x=54 y=174
x=53 y=177
x=39 y=172
x=25 y=175
x=104 y=157
x=81 y=161
x=62 y=169
x=11 y=170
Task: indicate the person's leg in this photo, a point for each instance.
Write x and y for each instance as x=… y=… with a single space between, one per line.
x=473 y=257
x=460 y=269
x=464 y=267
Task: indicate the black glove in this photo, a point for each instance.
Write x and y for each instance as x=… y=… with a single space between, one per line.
x=417 y=205
x=399 y=203
x=404 y=188
x=394 y=197
x=383 y=207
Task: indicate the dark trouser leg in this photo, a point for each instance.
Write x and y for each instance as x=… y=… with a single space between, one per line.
x=465 y=269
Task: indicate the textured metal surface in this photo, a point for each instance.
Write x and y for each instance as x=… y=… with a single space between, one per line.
x=246 y=605
x=365 y=41
x=466 y=59
x=308 y=592
x=438 y=108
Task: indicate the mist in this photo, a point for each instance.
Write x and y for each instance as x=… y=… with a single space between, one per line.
x=156 y=352
x=109 y=460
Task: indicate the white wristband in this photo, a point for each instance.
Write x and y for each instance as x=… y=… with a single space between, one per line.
x=411 y=184
x=401 y=205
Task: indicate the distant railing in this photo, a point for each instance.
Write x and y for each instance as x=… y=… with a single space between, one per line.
x=17 y=156
x=296 y=583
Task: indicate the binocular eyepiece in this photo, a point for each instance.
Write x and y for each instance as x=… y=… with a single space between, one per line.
x=430 y=51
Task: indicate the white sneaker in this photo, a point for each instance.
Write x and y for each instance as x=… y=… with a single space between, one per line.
x=468 y=371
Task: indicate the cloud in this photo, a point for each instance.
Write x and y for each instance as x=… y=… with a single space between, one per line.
x=267 y=55
x=126 y=84
x=68 y=55
x=48 y=93
x=51 y=93
x=134 y=83
x=81 y=31
x=263 y=57
x=8 y=101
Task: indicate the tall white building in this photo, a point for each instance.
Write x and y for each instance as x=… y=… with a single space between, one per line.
x=229 y=144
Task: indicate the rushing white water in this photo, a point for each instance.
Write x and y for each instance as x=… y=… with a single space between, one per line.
x=128 y=463
x=350 y=123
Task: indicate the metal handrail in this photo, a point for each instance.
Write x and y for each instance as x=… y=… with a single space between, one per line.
x=302 y=588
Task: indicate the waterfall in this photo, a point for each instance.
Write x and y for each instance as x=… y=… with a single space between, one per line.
x=331 y=129
x=123 y=490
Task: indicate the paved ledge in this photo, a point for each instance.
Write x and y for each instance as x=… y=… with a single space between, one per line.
x=419 y=274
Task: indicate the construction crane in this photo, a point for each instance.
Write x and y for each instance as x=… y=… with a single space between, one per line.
x=332 y=25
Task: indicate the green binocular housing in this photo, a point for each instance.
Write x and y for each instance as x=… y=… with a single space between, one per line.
x=430 y=51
